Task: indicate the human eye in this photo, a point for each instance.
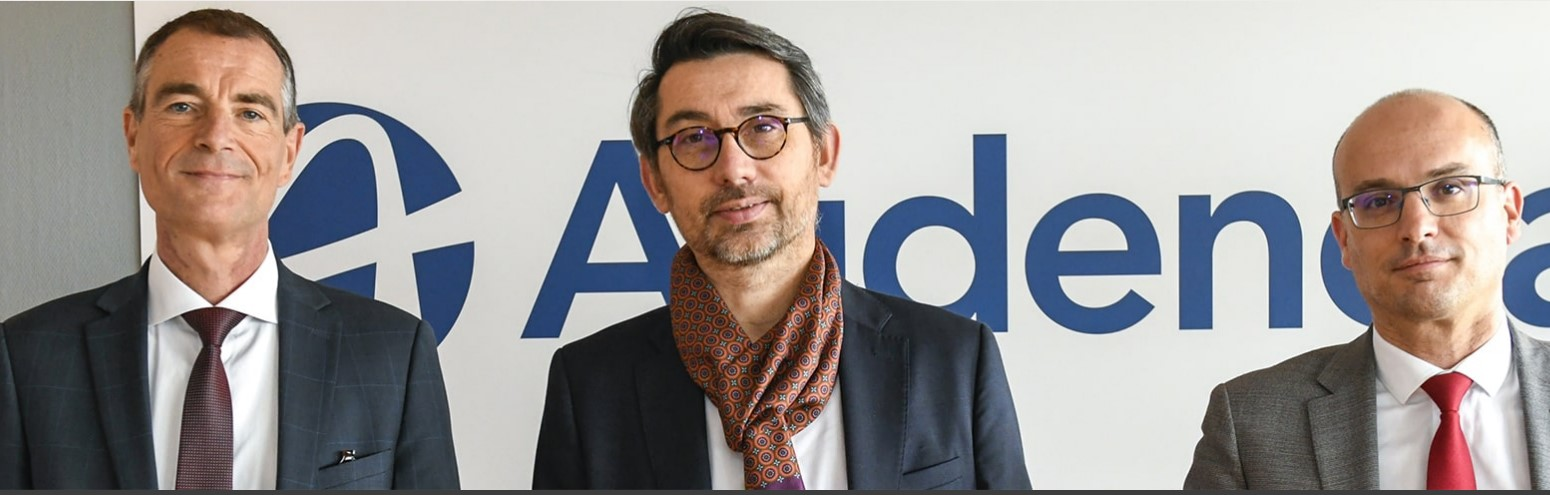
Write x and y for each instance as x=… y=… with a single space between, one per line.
x=764 y=125
x=251 y=115
x=1374 y=201
x=180 y=107
x=1451 y=186
x=692 y=136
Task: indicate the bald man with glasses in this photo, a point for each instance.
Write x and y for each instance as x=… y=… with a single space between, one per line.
x=1441 y=391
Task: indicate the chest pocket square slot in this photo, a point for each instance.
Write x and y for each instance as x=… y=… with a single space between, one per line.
x=935 y=476
x=368 y=471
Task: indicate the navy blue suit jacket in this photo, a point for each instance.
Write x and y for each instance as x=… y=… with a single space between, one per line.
x=355 y=373
x=926 y=405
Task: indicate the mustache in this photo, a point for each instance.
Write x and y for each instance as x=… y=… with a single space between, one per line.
x=726 y=194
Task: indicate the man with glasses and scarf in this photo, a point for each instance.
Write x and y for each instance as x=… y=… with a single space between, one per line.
x=765 y=370
x=1441 y=392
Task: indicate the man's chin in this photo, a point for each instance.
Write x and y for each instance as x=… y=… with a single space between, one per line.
x=1426 y=303
x=743 y=255
x=744 y=248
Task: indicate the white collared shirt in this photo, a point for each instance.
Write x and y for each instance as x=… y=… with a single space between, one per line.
x=820 y=450
x=1491 y=416
x=251 y=353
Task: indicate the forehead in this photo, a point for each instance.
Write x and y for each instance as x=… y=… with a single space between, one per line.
x=726 y=88
x=1407 y=142
x=189 y=55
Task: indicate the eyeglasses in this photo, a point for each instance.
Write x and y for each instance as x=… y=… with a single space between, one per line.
x=1445 y=196
x=761 y=137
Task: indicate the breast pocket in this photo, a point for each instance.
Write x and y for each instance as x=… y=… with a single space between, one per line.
x=369 y=472
x=943 y=475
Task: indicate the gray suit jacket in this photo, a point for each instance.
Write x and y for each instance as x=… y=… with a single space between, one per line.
x=1310 y=421
x=354 y=373
x=926 y=405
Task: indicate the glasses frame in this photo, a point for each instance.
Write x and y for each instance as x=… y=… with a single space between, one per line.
x=1347 y=205
x=737 y=137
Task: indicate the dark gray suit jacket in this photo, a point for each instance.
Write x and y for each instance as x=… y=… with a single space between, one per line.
x=354 y=373
x=926 y=405
x=1310 y=422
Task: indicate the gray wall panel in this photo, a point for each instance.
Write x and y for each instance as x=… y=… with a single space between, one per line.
x=68 y=205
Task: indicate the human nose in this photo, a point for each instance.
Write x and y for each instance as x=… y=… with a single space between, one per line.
x=214 y=132
x=1416 y=221
x=735 y=166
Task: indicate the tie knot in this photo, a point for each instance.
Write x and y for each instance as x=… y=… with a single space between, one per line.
x=1447 y=389
x=212 y=323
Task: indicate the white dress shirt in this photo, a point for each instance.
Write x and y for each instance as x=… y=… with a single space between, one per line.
x=820 y=450
x=251 y=354
x=1491 y=416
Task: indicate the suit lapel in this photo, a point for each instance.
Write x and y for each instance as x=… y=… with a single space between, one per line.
x=309 y=340
x=1533 y=362
x=116 y=348
x=873 y=371
x=672 y=413
x=1344 y=423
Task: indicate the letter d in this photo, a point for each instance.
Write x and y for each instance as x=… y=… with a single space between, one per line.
x=985 y=230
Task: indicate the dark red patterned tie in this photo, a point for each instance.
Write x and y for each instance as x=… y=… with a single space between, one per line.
x=1449 y=466
x=204 y=449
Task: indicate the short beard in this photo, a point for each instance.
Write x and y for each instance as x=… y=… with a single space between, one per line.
x=783 y=231
x=727 y=254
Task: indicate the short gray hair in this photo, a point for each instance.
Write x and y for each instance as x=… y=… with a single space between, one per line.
x=220 y=23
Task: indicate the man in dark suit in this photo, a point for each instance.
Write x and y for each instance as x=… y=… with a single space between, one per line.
x=1440 y=392
x=765 y=369
x=215 y=367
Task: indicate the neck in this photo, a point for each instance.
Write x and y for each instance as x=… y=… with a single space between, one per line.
x=760 y=295
x=214 y=266
x=1442 y=342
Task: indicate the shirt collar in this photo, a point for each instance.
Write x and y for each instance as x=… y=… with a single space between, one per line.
x=169 y=297
x=1402 y=374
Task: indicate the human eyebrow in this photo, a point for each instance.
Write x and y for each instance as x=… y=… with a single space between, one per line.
x=259 y=99
x=685 y=115
x=761 y=108
x=1449 y=169
x=1373 y=184
x=171 y=89
x=1453 y=168
x=682 y=116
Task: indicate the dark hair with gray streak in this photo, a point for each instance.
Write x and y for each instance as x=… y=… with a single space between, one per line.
x=220 y=23
x=699 y=34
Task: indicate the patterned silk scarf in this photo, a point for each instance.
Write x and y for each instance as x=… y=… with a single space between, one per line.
x=766 y=390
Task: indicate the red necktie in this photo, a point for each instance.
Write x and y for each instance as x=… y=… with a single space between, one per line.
x=1449 y=466
x=204 y=449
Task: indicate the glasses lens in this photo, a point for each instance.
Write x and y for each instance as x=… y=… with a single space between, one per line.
x=762 y=136
x=696 y=147
x=1376 y=208
x=1451 y=195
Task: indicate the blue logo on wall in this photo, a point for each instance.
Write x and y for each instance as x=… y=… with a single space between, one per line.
x=335 y=198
